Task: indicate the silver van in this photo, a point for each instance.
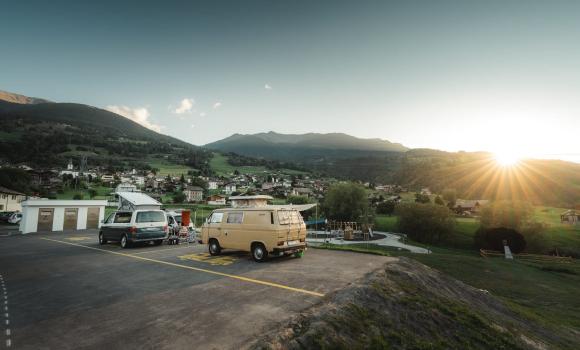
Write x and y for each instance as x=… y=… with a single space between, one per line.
x=129 y=227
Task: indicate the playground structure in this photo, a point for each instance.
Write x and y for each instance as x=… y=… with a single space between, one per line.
x=346 y=230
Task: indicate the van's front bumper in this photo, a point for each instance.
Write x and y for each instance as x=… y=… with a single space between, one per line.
x=289 y=248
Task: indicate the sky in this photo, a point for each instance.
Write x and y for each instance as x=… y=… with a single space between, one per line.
x=499 y=76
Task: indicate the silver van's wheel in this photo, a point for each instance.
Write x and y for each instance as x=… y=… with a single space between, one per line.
x=214 y=247
x=124 y=242
x=259 y=252
x=102 y=239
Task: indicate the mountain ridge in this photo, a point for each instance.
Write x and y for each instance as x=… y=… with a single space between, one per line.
x=20 y=99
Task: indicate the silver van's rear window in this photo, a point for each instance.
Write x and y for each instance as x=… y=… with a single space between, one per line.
x=289 y=217
x=150 y=216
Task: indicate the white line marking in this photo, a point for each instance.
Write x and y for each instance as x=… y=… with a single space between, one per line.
x=8 y=332
x=7 y=322
x=6 y=315
x=8 y=343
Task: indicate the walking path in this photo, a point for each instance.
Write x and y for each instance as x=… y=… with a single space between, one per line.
x=390 y=240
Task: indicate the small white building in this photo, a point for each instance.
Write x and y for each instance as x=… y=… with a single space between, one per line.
x=212 y=185
x=10 y=200
x=126 y=187
x=58 y=215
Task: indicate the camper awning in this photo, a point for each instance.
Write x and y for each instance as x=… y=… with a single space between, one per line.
x=299 y=207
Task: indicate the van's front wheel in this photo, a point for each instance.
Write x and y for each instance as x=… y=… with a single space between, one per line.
x=259 y=252
x=214 y=247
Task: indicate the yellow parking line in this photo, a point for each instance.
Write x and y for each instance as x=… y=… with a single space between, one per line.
x=159 y=250
x=241 y=278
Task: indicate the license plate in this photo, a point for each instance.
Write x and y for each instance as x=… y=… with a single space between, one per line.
x=293 y=242
x=150 y=229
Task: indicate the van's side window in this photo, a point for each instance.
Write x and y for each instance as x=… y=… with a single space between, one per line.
x=235 y=218
x=123 y=218
x=216 y=218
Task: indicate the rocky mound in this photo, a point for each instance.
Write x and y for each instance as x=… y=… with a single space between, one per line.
x=407 y=305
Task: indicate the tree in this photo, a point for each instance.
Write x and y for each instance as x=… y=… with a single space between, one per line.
x=178 y=197
x=346 y=202
x=427 y=223
x=439 y=201
x=509 y=214
x=298 y=200
x=494 y=238
x=450 y=195
x=422 y=198
x=387 y=207
x=515 y=216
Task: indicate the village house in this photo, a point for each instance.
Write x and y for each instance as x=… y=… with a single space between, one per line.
x=193 y=193
x=212 y=185
x=107 y=178
x=216 y=199
x=10 y=200
x=301 y=191
x=229 y=188
x=126 y=187
x=570 y=217
x=469 y=206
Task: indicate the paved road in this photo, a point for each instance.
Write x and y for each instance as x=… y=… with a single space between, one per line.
x=64 y=291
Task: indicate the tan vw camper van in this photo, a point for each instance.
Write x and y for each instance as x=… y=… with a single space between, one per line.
x=259 y=230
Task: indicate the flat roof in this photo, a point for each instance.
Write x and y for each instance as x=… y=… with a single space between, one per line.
x=258 y=196
x=138 y=198
x=64 y=203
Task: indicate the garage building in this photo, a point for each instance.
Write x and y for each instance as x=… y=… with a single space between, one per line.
x=58 y=215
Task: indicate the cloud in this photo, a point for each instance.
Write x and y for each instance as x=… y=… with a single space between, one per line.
x=139 y=115
x=217 y=105
x=267 y=87
x=185 y=106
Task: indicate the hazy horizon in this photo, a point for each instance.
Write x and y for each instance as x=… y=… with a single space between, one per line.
x=450 y=75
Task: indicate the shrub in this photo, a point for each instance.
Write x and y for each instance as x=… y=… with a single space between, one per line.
x=179 y=197
x=428 y=223
x=78 y=196
x=386 y=208
x=493 y=238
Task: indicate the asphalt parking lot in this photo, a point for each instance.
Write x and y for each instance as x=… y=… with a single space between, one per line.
x=65 y=291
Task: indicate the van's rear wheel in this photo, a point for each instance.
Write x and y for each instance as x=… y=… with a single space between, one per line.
x=125 y=242
x=214 y=247
x=259 y=252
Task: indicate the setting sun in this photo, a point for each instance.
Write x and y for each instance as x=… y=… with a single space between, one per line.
x=507 y=159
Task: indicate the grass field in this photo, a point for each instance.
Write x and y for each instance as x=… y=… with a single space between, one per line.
x=219 y=164
x=102 y=193
x=167 y=168
x=543 y=291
